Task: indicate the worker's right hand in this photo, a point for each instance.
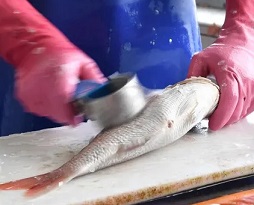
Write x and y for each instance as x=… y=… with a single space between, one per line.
x=47 y=78
x=47 y=65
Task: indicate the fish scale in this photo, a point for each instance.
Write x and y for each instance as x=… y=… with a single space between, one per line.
x=167 y=117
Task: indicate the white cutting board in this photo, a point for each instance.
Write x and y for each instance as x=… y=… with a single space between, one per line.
x=194 y=160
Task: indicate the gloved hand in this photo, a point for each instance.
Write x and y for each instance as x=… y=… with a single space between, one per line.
x=231 y=60
x=47 y=65
x=46 y=82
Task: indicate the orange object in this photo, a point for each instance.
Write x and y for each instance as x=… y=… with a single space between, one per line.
x=240 y=198
x=213 y=30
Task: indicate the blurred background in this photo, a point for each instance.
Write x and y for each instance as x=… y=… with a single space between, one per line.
x=211 y=15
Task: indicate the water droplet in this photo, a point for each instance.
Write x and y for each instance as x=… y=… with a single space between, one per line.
x=127 y=46
x=37 y=178
x=153 y=29
x=38 y=50
x=222 y=62
x=234 y=12
x=27 y=167
x=31 y=30
x=13 y=173
x=5 y=155
x=12 y=155
x=157 y=12
x=16 y=12
x=92 y=169
x=223 y=84
x=170 y=40
x=139 y=25
x=60 y=183
x=31 y=43
x=152 y=42
x=224 y=67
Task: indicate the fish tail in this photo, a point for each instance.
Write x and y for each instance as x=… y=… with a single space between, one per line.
x=39 y=185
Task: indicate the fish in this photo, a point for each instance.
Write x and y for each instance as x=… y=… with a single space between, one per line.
x=166 y=117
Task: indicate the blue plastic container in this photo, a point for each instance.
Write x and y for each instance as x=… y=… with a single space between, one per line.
x=153 y=38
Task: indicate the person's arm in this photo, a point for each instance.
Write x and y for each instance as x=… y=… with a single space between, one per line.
x=231 y=60
x=239 y=11
x=48 y=66
x=239 y=22
x=23 y=30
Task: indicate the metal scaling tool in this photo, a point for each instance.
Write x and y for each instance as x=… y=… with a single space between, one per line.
x=112 y=103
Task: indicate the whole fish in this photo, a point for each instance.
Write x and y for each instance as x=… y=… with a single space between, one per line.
x=166 y=117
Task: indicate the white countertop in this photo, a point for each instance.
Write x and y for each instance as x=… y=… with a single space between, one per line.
x=193 y=161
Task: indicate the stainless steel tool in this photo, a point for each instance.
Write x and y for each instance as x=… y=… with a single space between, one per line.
x=112 y=103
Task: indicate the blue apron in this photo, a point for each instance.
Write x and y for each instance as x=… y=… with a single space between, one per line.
x=153 y=38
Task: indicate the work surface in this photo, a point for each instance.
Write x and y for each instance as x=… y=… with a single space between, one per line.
x=195 y=160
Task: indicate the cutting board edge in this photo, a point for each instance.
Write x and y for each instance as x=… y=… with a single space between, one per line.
x=152 y=193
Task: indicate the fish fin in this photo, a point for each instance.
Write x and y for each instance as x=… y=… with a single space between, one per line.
x=38 y=185
x=18 y=184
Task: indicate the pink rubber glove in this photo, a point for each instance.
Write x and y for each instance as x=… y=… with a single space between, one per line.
x=47 y=65
x=231 y=60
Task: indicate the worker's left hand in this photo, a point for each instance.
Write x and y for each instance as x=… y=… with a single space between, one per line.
x=231 y=60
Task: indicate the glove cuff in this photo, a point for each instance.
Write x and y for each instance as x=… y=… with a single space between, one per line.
x=25 y=32
x=239 y=12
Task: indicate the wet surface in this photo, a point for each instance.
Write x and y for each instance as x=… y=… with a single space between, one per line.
x=204 y=158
